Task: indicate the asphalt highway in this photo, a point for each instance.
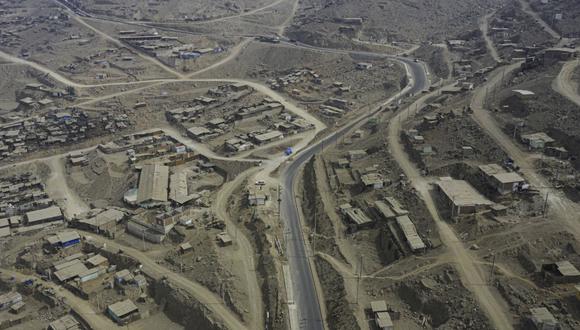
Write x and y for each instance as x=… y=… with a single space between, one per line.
x=304 y=292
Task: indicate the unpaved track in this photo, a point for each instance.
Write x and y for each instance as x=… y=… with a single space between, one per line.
x=97 y=321
x=471 y=275
x=528 y=10
x=245 y=250
x=561 y=207
x=565 y=85
x=484 y=27
x=58 y=188
x=196 y=290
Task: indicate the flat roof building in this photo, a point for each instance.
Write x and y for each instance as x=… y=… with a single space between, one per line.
x=64 y=239
x=67 y=322
x=153 y=185
x=268 y=137
x=48 y=214
x=461 y=197
x=561 y=272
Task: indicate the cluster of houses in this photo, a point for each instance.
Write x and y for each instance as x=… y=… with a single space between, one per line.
x=293 y=78
x=164 y=47
x=24 y=205
x=57 y=127
x=13 y=24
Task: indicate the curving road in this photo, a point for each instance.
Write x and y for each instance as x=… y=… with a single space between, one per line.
x=308 y=307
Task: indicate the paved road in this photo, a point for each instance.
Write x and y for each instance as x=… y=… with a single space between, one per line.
x=305 y=292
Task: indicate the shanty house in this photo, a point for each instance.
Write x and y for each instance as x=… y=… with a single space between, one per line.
x=381 y=314
x=358 y=218
x=9 y=299
x=538 y=140
x=48 y=214
x=123 y=312
x=67 y=322
x=561 y=272
x=542 y=319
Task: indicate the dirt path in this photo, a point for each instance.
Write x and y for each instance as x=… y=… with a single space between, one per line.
x=561 y=207
x=471 y=275
x=245 y=252
x=196 y=290
x=565 y=85
x=528 y=10
x=448 y=61
x=484 y=27
x=59 y=190
x=115 y=41
x=80 y=306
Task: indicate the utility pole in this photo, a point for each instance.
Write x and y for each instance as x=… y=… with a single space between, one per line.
x=143 y=238
x=359 y=277
x=279 y=203
x=492 y=270
x=545 y=204
x=315 y=230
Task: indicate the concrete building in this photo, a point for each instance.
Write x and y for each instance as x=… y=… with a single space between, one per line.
x=460 y=197
x=198 y=133
x=153 y=185
x=503 y=181
x=48 y=214
x=123 y=312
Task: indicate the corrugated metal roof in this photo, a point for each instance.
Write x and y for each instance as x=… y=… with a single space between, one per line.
x=70 y=272
x=410 y=232
x=44 y=214
x=153 y=183
x=123 y=308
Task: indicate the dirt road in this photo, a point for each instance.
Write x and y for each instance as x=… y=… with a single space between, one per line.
x=80 y=306
x=196 y=290
x=484 y=27
x=561 y=207
x=59 y=190
x=564 y=85
x=245 y=251
x=528 y=10
x=470 y=273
